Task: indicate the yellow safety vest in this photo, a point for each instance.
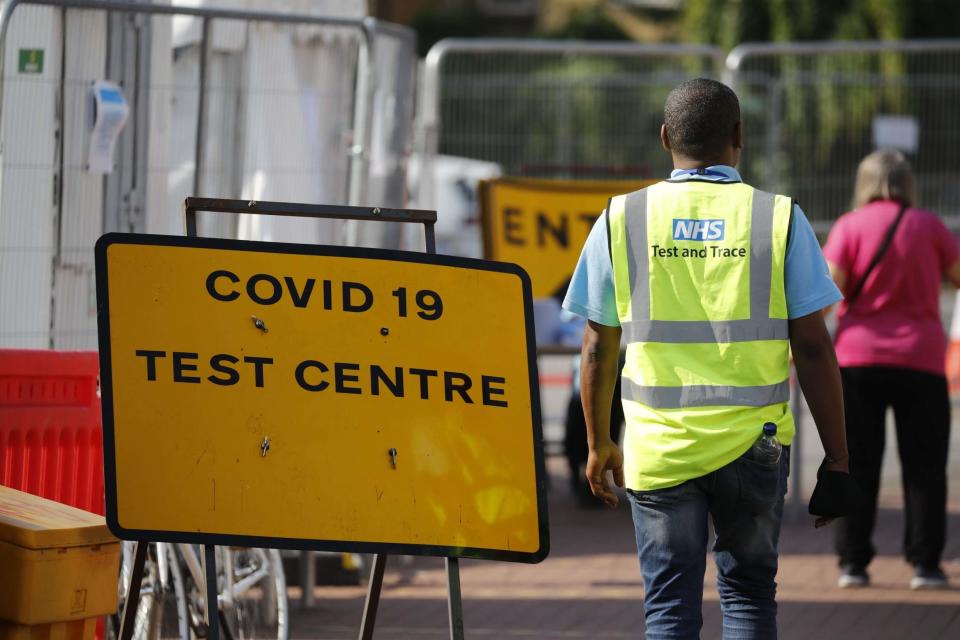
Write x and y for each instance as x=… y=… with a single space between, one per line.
x=698 y=271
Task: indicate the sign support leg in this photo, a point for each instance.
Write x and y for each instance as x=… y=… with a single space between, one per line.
x=454 y=599
x=373 y=596
x=308 y=579
x=133 y=592
x=211 y=606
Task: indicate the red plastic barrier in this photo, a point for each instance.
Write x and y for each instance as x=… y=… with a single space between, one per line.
x=51 y=438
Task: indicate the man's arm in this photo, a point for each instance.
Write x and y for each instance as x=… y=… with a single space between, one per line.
x=819 y=378
x=598 y=377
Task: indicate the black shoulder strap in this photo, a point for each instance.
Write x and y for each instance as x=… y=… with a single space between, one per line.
x=887 y=239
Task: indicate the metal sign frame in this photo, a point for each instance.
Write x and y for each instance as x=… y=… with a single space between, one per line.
x=451 y=554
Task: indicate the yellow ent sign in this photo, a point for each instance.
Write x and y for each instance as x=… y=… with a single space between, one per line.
x=319 y=397
x=541 y=225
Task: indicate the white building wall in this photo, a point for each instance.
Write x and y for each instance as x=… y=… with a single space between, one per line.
x=28 y=160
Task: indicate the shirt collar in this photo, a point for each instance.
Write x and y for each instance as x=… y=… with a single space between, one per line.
x=715 y=173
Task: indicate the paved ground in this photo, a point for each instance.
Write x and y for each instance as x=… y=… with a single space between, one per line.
x=590 y=588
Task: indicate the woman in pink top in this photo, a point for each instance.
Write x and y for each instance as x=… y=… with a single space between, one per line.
x=891 y=349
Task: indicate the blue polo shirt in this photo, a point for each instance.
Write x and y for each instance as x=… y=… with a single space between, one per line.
x=808 y=284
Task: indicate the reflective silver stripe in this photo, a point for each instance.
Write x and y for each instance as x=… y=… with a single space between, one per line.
x=706 y=395
x=694 y=331
x=761 y=253
x=638 y=258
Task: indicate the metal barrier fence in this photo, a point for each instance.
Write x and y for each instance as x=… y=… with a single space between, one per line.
x=553 y=108
x=222 y=103
x=216 y=89
x=813 y=110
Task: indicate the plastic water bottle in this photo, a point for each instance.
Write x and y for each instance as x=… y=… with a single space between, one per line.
x=767 y=448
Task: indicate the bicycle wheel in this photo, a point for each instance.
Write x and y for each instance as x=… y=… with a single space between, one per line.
x=256 y=606
x=162 y=608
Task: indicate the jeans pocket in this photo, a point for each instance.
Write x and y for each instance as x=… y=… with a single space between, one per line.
x=760 y=484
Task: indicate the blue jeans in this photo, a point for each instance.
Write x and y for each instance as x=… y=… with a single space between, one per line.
x=745 y=500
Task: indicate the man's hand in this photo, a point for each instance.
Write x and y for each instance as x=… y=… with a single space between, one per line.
x=843 y=466
x=605 y=456
x=836 y=493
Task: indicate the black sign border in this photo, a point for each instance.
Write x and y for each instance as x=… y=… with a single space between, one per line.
x=106 y=383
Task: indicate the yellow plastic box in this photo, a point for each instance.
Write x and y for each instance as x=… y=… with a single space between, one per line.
x=58 y=568
x=85 y=629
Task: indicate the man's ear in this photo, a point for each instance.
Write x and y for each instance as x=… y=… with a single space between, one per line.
x=738 y=136
x=665 y=138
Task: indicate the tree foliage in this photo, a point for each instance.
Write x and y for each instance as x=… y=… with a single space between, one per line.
x=730 y=22
x=588 y=23
x=812 y=115
x=457 y=20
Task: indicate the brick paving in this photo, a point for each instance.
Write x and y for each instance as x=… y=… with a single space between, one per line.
x=589 y=588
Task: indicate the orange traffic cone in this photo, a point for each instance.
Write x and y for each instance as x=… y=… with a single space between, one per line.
x=953 y=351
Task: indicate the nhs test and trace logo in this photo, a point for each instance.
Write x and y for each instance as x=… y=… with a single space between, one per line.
x=699 y=230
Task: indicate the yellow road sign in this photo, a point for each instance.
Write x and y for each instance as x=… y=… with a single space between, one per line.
x=319 y=397
x=541 y=225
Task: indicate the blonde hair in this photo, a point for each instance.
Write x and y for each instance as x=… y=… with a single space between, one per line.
x=884 y=175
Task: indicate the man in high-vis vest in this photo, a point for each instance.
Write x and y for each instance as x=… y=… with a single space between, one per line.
x=709 y=283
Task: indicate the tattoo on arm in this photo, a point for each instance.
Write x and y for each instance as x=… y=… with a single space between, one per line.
x=593 y=355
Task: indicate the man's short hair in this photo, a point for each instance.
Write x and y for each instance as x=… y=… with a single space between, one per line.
x=701 y=115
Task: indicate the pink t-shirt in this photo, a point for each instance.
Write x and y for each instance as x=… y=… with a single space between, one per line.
x=895 y=321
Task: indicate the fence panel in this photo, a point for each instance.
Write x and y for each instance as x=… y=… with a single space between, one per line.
x=222 y=103
x=389 y=110
x=813 y=110
x=554 y=108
